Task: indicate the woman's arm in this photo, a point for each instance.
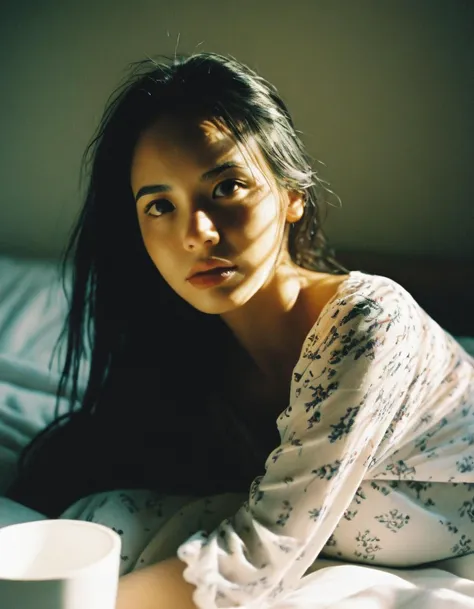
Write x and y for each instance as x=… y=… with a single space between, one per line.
x=349 y=383
x=159 y=586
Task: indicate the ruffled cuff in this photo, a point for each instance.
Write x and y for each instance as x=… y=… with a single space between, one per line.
x=200 y=553
x=224 y=576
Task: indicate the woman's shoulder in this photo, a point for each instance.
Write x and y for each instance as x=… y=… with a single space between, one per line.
x=362 y=304
x=330 y=295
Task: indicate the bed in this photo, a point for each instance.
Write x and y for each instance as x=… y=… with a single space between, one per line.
x=32 y=310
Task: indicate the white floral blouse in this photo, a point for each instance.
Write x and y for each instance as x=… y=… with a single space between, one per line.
x=377 y=443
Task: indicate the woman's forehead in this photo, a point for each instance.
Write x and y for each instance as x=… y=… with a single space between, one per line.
x=173 y=141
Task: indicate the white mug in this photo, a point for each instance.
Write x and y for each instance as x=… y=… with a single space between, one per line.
x=59 y=564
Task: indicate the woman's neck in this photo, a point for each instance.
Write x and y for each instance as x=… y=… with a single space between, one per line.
x=272 y=326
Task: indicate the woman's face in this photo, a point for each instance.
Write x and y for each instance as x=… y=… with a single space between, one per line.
x=200 y=196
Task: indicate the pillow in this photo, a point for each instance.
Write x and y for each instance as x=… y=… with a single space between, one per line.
x=33 y=307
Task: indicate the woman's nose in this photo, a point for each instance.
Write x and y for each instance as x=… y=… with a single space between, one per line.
x=201 y=231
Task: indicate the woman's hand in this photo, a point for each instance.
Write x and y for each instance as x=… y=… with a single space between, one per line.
x=159 y=586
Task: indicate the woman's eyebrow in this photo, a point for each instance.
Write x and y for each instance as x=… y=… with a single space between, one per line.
x=212 y=173
x=209 y=175
x=151 y=189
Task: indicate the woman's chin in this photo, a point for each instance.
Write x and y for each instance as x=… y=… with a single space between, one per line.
x=219 y=306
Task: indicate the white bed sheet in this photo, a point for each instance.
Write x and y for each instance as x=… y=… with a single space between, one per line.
x=334 y=586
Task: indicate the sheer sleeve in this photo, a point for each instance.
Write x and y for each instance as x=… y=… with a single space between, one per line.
x=347 y=386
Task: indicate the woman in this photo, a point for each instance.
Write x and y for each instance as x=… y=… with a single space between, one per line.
x=214 y=307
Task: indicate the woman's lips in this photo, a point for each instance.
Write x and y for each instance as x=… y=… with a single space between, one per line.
x=213 y=277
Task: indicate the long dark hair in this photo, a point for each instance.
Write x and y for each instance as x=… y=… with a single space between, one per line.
x=143 y=419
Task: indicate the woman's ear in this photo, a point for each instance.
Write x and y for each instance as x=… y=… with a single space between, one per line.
x=295 y=208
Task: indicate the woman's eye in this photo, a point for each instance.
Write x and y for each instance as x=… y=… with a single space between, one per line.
x=228 y=188
x=158 y=208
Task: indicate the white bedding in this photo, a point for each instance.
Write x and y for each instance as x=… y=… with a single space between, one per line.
x=360 y=587
x=32 y=309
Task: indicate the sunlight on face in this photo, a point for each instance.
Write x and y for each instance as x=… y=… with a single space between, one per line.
x=200 y=195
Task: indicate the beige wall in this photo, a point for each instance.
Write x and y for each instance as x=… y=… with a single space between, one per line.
x=383 y=91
